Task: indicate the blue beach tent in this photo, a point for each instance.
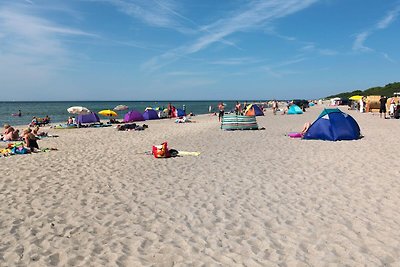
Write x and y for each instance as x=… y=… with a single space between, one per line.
x=294 y=109
x=256 y=108
x=333 y=125
x=150 y=114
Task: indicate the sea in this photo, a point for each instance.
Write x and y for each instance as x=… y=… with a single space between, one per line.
x=57 y=110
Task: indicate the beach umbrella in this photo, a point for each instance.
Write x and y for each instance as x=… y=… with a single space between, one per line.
x=356 y=97
x=121 y=107
x=78 y=110
x=108 y=113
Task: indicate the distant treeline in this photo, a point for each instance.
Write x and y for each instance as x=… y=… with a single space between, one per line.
x=387 y=90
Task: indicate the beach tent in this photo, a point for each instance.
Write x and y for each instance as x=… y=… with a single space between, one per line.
x=253 y=110
x=239 y=122
x=162 y=114
x=333 y=125
x=294 y=109
x=133 y=115
x=150 y=114
x=87 y=118
x=179 y=113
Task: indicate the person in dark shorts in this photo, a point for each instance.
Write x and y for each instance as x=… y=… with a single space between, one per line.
x=221 y=109
x=382 y=108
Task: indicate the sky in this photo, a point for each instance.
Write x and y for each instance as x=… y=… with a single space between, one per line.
x=195 y=49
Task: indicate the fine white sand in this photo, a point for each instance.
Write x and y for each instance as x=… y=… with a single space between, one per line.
x=252 y=198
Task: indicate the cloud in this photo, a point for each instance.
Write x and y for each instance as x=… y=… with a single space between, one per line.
x=156 y=13
x=276 y=69
x=388 y=58
x=389 y=18
x=385 y=22
x=358 y=44
x=254 y=15
x=235 y=61
x=33 y=45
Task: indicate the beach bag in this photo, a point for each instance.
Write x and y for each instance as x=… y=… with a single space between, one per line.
x=161 y=151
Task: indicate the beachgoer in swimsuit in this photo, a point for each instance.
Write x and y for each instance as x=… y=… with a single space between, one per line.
x=238 y=108
x=221 y=109
x=306 y=126
x=382 y=108
x=8 y=132
x=169 y=108
x=30 y=140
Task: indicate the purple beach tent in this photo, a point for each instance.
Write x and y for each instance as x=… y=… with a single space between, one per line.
x=150 y=114
x=132 y=116
x=87 y=118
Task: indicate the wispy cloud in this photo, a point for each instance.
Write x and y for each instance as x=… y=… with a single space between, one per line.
x=388 y=58
x=235 y=61
x=311 y=47
x=31 y=43
x=256 y=14
x=249 y=17
x=385 y=22
x=277 y=70
x=358 y=44
x=156 y=13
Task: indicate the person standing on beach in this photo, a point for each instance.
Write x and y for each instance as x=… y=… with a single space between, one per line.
x=382 y=108
x=221 y=109
x=274 y=107
x=238 y=108
x=169 y=108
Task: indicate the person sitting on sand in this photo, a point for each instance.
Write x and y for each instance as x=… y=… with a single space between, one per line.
x=70 y=121
x=34 y=121
x=15 y=135
x=36 y=132
x=30 y=139
x=8 y=132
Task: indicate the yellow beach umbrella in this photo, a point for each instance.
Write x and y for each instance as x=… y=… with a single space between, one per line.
x=108 y=113
x=356 y=97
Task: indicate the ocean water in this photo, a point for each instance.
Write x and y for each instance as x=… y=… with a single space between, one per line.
x=57 y=110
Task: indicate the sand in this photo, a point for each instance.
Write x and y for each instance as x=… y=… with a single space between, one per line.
x=252 y=198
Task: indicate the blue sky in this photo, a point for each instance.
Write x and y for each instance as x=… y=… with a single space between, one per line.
x=195 y=49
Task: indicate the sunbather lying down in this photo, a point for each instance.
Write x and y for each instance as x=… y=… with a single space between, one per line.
x=131 y=126
x=183 y=120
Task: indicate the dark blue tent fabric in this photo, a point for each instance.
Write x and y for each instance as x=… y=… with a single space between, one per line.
x=257 y=110
x=294 y=109
x=180 y=112
x=87 y=118
x=150 y=114
x=334 y=126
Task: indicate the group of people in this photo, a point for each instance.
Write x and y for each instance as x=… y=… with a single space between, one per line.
x=39 y=121
x=363 y=105
x=394 y=108
x=29 y=136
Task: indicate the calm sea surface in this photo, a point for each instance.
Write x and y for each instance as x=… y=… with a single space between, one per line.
x=58 y=110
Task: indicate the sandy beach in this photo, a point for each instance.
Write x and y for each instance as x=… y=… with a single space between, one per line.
x=252 y=198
